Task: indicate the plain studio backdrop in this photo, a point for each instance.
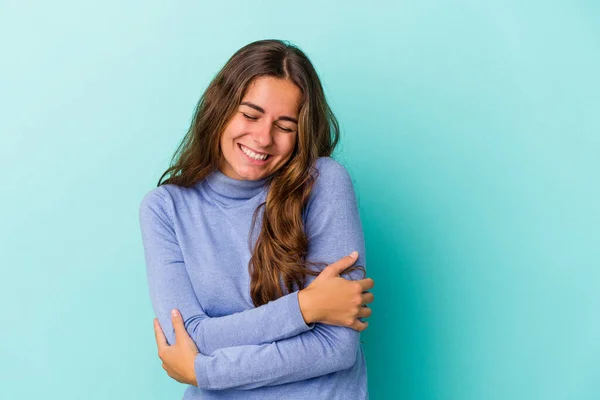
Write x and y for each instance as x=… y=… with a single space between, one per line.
x=471 y=131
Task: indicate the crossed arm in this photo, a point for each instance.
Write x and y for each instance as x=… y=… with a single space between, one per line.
x=270 y=344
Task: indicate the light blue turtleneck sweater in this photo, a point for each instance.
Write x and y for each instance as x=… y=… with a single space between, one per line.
x=197 y=250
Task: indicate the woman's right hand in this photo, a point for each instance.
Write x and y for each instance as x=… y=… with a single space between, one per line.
x=334 y=300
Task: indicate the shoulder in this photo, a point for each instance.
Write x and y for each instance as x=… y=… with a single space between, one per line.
x=160 y=200
x=160 y=194
x=329 y=165
x=332 y=199
x=332 y=184
x=331 y=176
x=331 y=172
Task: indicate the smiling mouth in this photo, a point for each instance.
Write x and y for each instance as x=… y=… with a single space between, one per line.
x=254 y=155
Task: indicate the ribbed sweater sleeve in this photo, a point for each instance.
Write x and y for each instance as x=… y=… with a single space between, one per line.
x=170 y=287
x=334 y=230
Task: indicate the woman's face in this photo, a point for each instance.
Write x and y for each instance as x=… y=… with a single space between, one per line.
x=265 y=124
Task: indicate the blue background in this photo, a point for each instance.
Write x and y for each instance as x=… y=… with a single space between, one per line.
x=471 y=130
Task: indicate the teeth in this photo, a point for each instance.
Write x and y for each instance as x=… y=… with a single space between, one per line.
x=252 y=154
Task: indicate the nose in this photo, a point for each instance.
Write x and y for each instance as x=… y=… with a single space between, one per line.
x=262 y=134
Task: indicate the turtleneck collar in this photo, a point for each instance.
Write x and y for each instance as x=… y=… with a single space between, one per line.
x=231 y=191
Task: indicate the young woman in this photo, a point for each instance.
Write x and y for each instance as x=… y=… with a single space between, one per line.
x=248 y=236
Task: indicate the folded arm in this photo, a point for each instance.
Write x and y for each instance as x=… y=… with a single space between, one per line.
x=170 y=287
x=320 y=351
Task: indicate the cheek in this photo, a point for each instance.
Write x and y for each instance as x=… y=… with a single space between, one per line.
x=288 y=144
x=238 y=125
x=226 y=140
x=293 y=141
x=233 y=129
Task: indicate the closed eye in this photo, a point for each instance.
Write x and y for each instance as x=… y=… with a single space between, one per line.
x=250 y=117
x=285 y=129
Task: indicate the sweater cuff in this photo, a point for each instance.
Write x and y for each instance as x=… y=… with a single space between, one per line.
x=201 y=372
x=296 y=313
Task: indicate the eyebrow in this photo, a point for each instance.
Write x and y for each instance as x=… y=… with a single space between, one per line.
x=262 y=110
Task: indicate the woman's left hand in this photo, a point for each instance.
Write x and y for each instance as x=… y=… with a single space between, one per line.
x=178 y=359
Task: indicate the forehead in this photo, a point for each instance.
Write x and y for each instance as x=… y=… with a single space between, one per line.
x=275 y=95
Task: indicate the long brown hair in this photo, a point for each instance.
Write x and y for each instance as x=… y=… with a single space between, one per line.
x=279 y=253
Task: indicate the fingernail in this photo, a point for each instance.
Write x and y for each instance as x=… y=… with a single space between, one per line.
x=353 y=254
x=174 y=313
